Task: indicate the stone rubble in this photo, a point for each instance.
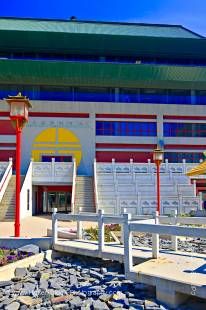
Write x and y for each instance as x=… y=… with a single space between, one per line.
x=76 y=282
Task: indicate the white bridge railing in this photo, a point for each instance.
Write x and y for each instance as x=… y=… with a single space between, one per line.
x=52 y=172
x=157 y=227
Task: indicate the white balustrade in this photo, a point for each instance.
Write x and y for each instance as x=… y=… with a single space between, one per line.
x=133 y=186
x=52 y=172
x=160 y=225
x=5 y=175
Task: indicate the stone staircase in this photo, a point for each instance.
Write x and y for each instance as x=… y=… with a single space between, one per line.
x=7 y=205
x=84 y=195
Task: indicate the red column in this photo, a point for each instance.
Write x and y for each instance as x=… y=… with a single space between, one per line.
x=158 y=186
x=18 y=180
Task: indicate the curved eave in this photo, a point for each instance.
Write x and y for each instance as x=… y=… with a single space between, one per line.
x=25 y=72
x=101 y=44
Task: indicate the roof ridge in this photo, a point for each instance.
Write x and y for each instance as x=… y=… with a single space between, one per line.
x=91 y=21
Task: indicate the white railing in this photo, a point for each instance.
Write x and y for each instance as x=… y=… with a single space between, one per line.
x=157 y=226
x=96 y=197
x=6 y=170
x=26 y=194
x=148 y=167
x=52 y=173
x=133 y=186
x=73 y=186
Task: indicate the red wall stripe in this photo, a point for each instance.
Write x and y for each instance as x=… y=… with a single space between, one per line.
x=52 y=114
x=5 y=154
x=6 y=128
x=184 y=146
x=182 y=117
x=126 y=116
x=125 y=146
x=7 y=144
x=123 y=157
x=58 y=114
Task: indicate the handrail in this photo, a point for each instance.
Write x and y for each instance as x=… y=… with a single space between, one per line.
x=5 y=179
x=95 y=186
x=73 y=186
x=151 y=226
x=27 y=185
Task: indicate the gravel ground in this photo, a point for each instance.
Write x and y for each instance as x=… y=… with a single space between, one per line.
x=76 y=282
x=187 y=245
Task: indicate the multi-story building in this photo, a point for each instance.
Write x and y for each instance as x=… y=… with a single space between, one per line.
x=103 y=90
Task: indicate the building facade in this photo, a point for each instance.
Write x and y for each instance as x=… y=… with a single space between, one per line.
x=103 y=90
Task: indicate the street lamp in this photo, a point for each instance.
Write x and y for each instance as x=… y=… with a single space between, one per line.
x=158 y=159
x=19 y=112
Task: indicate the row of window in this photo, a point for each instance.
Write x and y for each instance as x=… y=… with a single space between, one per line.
x=177 y=157
x=126 y=129
x=96 y=58
x=100 y=94
x=184 y=130
x=118 y=128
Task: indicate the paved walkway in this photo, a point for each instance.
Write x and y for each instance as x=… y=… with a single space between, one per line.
x=36 y=226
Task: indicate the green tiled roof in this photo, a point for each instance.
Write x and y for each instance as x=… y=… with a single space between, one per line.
x=103 y=28
x=24 y=72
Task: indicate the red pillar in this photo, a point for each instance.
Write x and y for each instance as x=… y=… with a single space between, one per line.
x=18 y=180
x=158 y=186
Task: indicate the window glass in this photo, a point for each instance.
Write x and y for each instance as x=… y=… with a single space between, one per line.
x=109 y=128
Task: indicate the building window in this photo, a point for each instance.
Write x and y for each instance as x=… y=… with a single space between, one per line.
x=177 y=157
x=28 y=199
x=184 y=130
x=106 y=128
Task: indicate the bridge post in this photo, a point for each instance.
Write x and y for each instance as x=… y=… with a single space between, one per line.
x=128 y=260
x=79 y=229
x=122 y=227
x=100 y=231
x=155 y=240
x=54 y=226
x=174 y=244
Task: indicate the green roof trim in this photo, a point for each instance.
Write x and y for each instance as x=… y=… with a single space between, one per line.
x=25 y=72
x=91 y=27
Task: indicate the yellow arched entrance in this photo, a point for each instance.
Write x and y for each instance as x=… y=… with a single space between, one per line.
x=56 y=141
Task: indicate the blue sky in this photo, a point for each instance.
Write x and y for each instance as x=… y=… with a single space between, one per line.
x=190 y=13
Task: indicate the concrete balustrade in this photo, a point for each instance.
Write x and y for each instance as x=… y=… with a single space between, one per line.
x=142 y=265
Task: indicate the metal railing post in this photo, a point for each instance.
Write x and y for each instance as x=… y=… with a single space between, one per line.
x=100 y=230
x=128 y=260
x=54 y=226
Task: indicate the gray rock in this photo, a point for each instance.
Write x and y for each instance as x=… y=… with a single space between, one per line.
x=29 y=286
x=5 y=283
x=73 y=280
x=20 y=272
x=76 y=301
x=43 y=284
x=136 y=301
x=13 y=306
x=29 y=248
x=103 y=270
x=96 y=274
x=100 y=305
x=105 y=297
x=114 y=304
x=60 y=307
x=54 y=284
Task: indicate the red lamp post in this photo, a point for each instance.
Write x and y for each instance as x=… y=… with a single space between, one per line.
x=158 y=159
x=19 y=112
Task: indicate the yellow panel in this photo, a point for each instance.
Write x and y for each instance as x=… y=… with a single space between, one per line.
x=42 y=144
x=47 y=135
x=65 y=135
